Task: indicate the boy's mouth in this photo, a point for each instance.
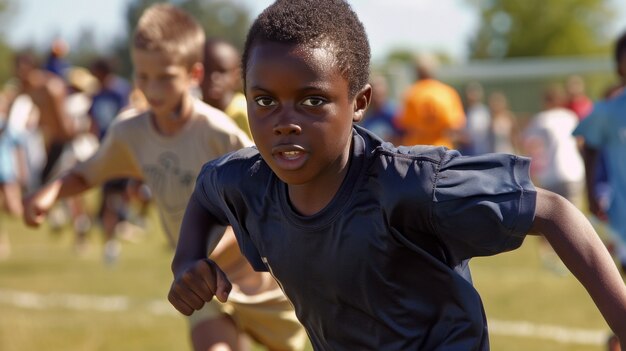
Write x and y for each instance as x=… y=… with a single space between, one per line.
x=289 y=157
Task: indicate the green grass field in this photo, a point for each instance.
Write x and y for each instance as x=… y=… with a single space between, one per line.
x=51 y=299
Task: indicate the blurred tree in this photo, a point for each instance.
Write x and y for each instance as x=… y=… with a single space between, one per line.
x=541 y=28
x=220 y=18
x=84 y=51
x=7 y=8
x=402 y=55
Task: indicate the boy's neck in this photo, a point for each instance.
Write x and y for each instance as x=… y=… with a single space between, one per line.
x=308 y=199
x=176 y=120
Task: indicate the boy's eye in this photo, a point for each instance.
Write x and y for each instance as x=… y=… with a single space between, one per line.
x=264 y=101
x=313 y=101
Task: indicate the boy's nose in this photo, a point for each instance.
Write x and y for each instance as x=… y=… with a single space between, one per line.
x=285 y=123
x=152 y=89
x=215 y=76
x=287 y=129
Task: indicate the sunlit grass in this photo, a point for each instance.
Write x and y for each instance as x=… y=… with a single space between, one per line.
x=514 y=286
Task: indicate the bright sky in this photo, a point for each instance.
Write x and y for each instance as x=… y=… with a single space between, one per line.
x=442 y=25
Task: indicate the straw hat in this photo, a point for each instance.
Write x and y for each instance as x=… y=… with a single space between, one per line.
x=81 y=79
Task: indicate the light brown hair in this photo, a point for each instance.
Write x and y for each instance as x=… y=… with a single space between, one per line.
x=169 y=29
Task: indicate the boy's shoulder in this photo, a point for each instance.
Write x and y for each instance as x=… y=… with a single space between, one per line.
x=129 y=120
x=246 y=158
x=211 y=114
x=376 y=147
x=240 y=168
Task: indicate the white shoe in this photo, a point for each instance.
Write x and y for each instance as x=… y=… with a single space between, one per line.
x=129 y=232
x=112 y=249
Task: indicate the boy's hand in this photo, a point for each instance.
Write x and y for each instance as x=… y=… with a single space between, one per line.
x=36 y=207
x=196 y=285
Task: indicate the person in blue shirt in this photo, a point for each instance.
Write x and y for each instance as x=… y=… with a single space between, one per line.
x=604 y=134
x=379 y=117
x=107 y=103
x=369 y=241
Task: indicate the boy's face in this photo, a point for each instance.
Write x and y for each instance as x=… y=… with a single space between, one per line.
x=163 y=81
x=221 y=72
x=300 y=112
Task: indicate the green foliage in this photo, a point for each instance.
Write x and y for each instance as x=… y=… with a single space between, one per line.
x=6 y=61
x=7 y=8
x=541 y=28
x=221 y=18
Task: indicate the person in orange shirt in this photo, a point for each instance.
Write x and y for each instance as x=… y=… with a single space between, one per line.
x=431 y=112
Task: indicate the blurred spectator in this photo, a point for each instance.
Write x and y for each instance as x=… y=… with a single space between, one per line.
x=48 y=93
x=222 y=81
x=431 y=112
x=577 y=99
x=112 y=96
x=23 y=119
x=12 y=169
x=56 y=62
x=109 y=99
x=478 y=138
x=81 y=87
x=604 y=131
x=503 y=124
x=556 y=163
x=380 y=113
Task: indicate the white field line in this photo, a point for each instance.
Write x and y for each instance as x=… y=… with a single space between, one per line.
x=119 y=303
x=113 y=303
x=561 y=334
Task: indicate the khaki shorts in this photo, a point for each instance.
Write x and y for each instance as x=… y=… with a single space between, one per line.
x=271 y=322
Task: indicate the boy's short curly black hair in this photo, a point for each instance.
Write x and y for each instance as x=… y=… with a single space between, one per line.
x=315 y=23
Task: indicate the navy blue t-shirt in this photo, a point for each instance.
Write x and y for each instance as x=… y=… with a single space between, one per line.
x=383 y=266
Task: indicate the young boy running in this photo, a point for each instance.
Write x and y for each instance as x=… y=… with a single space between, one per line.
x=166 y=147
x=369 y=241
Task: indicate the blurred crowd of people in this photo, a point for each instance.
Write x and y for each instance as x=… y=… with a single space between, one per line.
x=52 y=115
x=475 y=123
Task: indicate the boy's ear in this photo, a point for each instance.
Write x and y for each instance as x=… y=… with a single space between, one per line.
x=196 y=72
x=361 y=102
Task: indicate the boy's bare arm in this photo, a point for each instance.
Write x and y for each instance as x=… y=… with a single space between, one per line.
x=579 y=247
x=37 y=204
x=196 y=278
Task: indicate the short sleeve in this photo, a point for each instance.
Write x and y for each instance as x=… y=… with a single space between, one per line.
x=593 y=128
x=113 y=159
x=206 y=192
x=209 y=196
x=483 y=205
